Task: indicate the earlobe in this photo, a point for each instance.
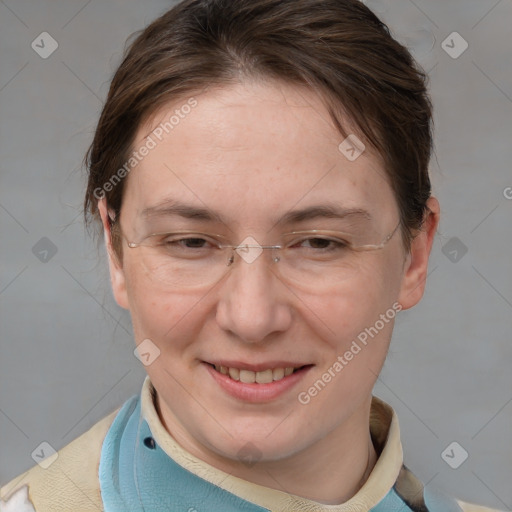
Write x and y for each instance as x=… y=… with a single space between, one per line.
x=416 y=264
x=117 y=277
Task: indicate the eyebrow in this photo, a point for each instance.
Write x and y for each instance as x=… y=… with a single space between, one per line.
x=326 y=210
x=170 y=207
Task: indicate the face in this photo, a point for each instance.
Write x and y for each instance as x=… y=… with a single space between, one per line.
x=249 y=157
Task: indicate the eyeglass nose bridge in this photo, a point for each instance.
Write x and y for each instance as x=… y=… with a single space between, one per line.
x=250 y=252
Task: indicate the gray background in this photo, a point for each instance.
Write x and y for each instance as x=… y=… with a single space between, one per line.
x=66 y=348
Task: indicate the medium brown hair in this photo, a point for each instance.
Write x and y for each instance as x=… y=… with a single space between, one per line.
x=337 y=48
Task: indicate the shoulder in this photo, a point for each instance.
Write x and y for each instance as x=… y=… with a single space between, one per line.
x=470 y=507
x=409 y=493
x=69 y=483
x=419 y=497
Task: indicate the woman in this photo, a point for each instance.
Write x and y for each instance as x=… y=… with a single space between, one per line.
x=260 y=173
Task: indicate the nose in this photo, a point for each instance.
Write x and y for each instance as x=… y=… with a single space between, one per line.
x=253 y=302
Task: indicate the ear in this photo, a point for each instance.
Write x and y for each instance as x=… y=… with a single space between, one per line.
x=117 y=278
x=416 y=263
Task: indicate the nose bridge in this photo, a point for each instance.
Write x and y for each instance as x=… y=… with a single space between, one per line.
x=250 y=250
x=252 y=304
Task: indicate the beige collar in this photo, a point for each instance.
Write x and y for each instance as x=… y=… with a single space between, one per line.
x=385 y=434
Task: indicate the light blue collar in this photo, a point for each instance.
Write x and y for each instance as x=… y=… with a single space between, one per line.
x=136 y=475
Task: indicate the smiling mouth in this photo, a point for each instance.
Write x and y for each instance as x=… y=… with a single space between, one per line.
x=261 y=377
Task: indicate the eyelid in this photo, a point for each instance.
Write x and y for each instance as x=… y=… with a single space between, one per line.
x=196 y=234
x=329 y=235
x=213 y=238
x=318 y=232
x=223 y=242
x=311 y=232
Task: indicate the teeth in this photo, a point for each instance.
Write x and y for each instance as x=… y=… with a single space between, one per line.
x=234 y=373
x=278 y=373
x=250 y=377
x=264 y=377
x=247 y=376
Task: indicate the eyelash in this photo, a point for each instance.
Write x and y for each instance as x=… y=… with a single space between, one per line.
x=334 y=244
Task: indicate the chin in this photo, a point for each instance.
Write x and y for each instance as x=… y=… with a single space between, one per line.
x=263 y=444
x=252 y=451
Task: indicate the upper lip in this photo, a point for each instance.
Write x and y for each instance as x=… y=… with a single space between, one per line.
x=257 y=367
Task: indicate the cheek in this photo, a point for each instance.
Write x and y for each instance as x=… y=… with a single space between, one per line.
x=356 y=303
x=373 y=307
x=358 y=345
x=356 y=323
x=160 y=315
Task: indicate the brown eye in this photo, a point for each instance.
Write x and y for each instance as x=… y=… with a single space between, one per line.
x=193 y=243
x=180 y=242
x=319 y=243
x=325 y=244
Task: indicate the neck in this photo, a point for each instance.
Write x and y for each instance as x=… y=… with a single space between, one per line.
x=330 y=472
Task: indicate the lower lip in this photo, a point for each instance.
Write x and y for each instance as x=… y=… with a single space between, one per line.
x=257 y=393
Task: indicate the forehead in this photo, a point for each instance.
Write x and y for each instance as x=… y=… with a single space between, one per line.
x=252 y=151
